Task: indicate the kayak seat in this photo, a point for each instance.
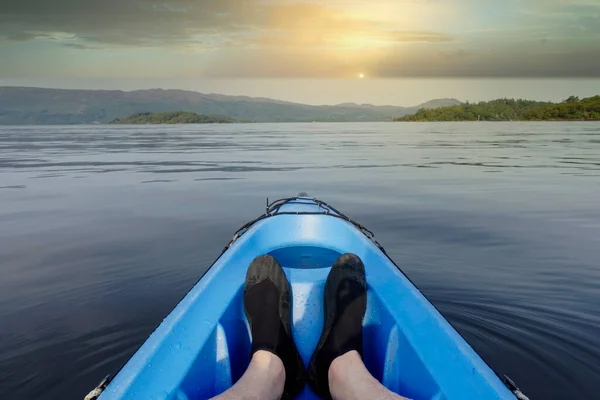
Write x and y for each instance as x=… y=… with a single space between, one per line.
x=387 y=354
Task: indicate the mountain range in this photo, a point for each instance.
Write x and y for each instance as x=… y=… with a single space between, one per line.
x=39 y=106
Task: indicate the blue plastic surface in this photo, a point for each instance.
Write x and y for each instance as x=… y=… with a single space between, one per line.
x=203 y=346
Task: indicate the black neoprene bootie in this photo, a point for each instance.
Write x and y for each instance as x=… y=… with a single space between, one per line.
x=345 y=304
x=267 y=303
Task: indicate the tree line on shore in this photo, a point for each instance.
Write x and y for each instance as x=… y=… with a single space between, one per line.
x=571 y=109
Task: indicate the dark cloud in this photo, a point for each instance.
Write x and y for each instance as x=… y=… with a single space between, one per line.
x=523 y=63
x=230 y=22
x=258 y=38
x=18 y=36
x=126 y=22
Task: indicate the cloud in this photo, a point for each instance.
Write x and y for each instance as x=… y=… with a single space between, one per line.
x=80 y=46
x=295 y=38
x=124 y=22
x=502 y=63
x=434 y=63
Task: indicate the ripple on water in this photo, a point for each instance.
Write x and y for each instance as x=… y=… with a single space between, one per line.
x=91 y=266
x=537 y=336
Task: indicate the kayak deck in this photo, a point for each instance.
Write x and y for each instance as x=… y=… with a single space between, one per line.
x=202 y=348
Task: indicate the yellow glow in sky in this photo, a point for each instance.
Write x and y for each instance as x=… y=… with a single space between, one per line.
x=301 y=39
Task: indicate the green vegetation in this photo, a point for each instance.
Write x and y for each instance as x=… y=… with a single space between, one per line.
x=572 y=109
x=174 y=117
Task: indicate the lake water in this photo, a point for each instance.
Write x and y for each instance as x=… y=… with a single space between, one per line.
x=104 y=229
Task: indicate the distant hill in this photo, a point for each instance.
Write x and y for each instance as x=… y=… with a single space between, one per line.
x=173 y=117
x=36 y=106
x=572 y=109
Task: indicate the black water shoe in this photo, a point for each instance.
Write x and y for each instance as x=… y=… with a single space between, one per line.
x=345 y=304
x=267 y=302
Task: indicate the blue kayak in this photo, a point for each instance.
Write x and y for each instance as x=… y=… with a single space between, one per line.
x=203 y=346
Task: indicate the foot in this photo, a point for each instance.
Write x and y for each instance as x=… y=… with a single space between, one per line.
x=267 y=299
x=345 y=304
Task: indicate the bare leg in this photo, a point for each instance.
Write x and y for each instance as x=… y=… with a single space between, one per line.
x=263 y=380
x=349 y=379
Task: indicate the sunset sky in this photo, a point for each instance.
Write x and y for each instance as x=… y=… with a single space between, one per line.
x=294 y=49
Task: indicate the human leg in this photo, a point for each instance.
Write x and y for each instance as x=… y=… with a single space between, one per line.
x=349 y=379
x=264 y=379
x=267 y=303
x=336 y=369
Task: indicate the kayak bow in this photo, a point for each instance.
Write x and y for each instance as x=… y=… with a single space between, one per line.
x=202 y=348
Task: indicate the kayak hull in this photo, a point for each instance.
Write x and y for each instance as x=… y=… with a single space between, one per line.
x=203 y=347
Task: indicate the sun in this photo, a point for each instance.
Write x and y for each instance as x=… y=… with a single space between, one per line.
x=361 y=76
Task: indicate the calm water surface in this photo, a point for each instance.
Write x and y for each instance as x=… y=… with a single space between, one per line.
x=104 y=229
